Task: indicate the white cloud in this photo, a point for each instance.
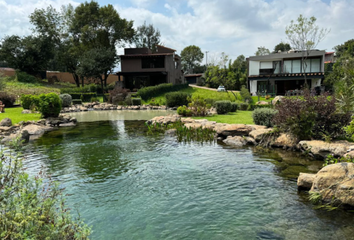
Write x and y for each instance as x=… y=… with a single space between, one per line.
x=231 y=26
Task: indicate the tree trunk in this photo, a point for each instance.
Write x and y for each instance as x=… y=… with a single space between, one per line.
x=76 y=79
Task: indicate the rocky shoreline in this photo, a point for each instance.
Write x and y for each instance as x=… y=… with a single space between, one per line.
x=334 y=183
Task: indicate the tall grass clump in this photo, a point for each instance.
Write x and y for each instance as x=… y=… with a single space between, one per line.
x=147 y=93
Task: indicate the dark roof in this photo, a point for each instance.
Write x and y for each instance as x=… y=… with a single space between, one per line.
x=283 y=55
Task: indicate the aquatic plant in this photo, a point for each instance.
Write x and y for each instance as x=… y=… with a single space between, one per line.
x=33 y=207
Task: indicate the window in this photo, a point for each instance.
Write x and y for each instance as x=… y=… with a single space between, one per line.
x=153 y=62
x=296 y=66
x=315 y=65
x=287 y=66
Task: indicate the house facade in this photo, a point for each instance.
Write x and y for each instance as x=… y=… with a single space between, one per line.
x=281 y=73
x=141 y=68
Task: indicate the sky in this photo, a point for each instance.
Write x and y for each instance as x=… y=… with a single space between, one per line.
x=234 y=27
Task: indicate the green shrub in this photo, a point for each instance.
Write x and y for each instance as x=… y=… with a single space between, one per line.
x=262 y=106
x=95 y=99
x=234 y=107
x=85 y=97
x=65 y=99
x=223 y=107
x=176 y=99
x=117 y=95
x=7 y=99
x=31 y=207
x=184 y=111
x=128 y=100
x=29 y=101
x=76 y=101
x=136 y=101
x=311 y=117
x=243 y=106
x=25 y=78
x=246 y=95
x=198 y=106
x=49 y=105
x=210 y=101
x=264 y=116
x=147 y=93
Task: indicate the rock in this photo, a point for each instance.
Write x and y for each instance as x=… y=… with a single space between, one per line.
x=320 y=149
x=335 y=183
x=6 y=122
x=277 y=99
x=34 y=129
x=258 y=134
x=26 y=111
x=84 y=109
x=236 y=141
x=256 y=127
x=284 y=140
x=187 y=120
x=305 y=180
x=164 y=119
x=250 y=141
x=193 y=125
x=262 y=103
x=225 y=130
x=171 y=132
x=119 y=108
x=25 y=136
x=349 y=154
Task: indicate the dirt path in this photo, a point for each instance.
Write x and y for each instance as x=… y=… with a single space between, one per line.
x=212 y=89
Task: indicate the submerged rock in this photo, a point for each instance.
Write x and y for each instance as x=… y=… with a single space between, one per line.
x=236 y=141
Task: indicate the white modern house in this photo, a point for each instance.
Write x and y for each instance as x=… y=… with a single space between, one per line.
x=279 y=73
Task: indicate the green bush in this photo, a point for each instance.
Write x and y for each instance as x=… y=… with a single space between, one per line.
x=29 y=101
x=246 y=95
x=234 y=107
x=7 y=99
x=85 y=97
x=49 y=105
x=76 y=101
x=264 y=116
x=176 y=99
x=153 y=91
x=184 y=111
x=243 y=106
x=95 y=99
x=128 y=100
x=136 y=101
x=65 y=99
x=31 y=207
x=25 y=78
x=198 y=106
x=311 y=117
x=262 y=106
x=210 y=101
x=223 y=107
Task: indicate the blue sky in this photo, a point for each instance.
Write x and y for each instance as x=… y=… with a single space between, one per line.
x=232 y=26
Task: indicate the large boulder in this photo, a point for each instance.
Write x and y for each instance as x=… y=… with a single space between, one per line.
x=335 y=183
x=259 y=133
x=6 y=122
x=225 y=130
x=321 y=149
x=305 y=181
x=165 y=119
x=34 y=129
x=236 y=141
x=284 y=141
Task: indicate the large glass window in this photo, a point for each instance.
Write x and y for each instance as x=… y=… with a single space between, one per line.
x=315 y=65
x=296 y=66
x=287 y=66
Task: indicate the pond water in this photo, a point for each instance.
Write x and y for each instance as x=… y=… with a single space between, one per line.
x=131 y=185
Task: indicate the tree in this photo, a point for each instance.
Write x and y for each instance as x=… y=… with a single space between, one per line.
x=28 y=54
x=147 y=37
x=345 y=49
x=262 y=51
x=191 y=56
x=283 y=47
x=304 y=35
x=94 y=28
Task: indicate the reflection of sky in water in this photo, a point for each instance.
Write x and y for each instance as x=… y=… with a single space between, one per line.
x=131 y=185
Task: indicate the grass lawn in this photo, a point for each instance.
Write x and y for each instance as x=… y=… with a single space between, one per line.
x=16 y=116
x=239 y=117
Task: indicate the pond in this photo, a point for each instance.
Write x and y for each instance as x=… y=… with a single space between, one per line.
x=128 y=184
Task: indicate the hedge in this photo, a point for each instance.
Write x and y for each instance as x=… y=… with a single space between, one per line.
x=223 y=107
x=176 y=99
x=153 y=91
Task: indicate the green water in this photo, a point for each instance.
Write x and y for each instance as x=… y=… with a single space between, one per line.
x=130 y=185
